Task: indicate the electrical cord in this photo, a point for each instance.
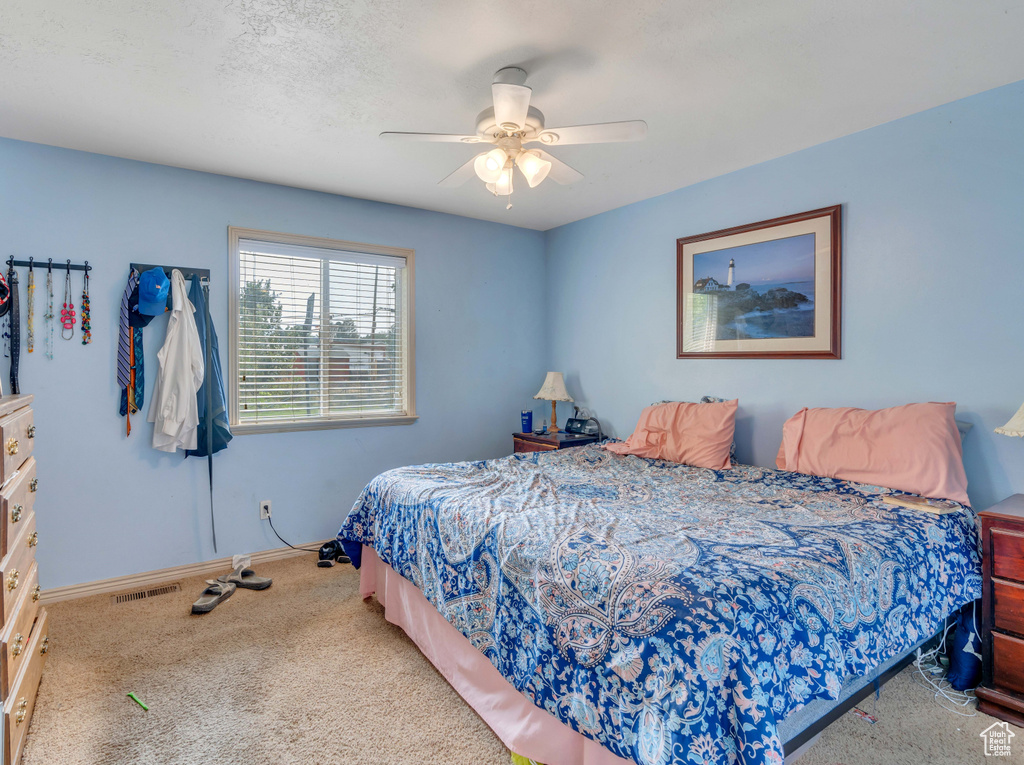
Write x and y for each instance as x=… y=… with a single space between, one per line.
x=303 y=549
x=928 y=666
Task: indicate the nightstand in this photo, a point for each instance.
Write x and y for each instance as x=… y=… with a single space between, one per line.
x=1001 y=693
x=549 y=442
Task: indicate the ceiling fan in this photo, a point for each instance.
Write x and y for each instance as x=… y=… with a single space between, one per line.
x=509 y=126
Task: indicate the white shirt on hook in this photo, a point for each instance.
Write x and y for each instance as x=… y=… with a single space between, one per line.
x=174 y=408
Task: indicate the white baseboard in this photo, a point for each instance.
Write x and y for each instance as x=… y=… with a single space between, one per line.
x=150 y=578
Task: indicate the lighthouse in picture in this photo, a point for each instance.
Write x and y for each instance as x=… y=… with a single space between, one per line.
x=732 y=264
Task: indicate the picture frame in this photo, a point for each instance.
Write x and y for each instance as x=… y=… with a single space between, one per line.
x=766 y=290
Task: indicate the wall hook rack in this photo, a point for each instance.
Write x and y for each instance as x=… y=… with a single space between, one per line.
x=186 y=271
x=30 y=263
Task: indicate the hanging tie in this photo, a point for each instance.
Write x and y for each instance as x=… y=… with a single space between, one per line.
x=125 y=344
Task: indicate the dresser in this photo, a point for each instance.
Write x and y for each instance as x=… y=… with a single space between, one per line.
x=23 y=635
x=549 y=442
x=1001 y=693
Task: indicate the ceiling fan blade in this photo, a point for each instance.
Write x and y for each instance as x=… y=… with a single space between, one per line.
x=460 y=176
x=560 y=172
x=432 y=137
x=511 y=103
x=605 y=132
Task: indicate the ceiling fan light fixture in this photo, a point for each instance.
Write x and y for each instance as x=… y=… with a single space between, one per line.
x=490 y=166
x=503 y=186
x=533 y=167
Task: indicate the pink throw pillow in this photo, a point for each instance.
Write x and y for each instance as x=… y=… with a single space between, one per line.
x=693 y=434
x=914 y=448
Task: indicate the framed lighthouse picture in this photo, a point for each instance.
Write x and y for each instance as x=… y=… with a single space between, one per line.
x=768 y=290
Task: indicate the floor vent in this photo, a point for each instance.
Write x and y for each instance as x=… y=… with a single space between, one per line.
x=128 y=597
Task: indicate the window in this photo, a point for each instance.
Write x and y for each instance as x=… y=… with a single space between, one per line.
x=321 y=333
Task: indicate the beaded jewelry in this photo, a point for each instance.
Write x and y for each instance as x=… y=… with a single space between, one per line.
x=48 y=316
x=67 y=313
x=30 y=315
x=86 y=313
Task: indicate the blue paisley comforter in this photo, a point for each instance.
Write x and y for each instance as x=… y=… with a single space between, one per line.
x=672 y=613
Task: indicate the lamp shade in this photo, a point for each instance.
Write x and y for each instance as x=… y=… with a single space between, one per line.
x=534 y=167
x=489 y=166
x=503 y=186
x=1015 y=427
x=553 y=388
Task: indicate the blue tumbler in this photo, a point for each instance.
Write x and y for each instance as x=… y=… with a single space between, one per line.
x=527 y=421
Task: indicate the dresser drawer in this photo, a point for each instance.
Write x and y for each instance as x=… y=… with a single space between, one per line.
x=17 y=437
x=1008 y=554
x=1007 y=662
x=14 y=639
x=18 y=707
x=529 y=446
x=1008 y=606
x=16 y=503
x=16 y=565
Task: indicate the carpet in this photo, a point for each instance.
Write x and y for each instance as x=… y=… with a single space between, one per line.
x=307 y=672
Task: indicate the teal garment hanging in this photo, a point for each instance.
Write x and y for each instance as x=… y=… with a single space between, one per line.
x=211 y=396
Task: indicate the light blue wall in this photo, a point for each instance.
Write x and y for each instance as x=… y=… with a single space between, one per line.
x=933 y=285
x=110 y=505
x=933 y=268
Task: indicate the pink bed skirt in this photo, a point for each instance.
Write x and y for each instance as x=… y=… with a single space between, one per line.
x=524 y=728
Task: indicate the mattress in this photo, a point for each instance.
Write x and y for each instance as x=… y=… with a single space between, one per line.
x=669 y=613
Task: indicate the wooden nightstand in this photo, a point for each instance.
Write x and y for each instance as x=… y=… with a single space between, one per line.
x=549 y=442
x=1001 y=693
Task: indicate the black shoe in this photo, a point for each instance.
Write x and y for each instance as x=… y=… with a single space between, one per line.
x=332 y=553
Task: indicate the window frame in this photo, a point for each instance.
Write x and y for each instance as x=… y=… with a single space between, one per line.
x=408 y=297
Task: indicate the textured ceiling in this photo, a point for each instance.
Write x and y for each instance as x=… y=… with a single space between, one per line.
x=296 y=91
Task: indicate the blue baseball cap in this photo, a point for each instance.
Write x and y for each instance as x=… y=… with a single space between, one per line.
x=153 y=289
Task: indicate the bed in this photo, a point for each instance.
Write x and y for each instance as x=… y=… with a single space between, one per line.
x=636 y=610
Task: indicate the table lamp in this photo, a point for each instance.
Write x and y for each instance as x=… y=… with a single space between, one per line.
x=1015 y=427
x=553 y=390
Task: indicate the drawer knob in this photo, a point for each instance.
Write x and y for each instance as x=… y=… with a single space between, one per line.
x=16 y=513
x=35 y=593
x=18 y=645
x=45 y=645
x=31 y=431
x=12 y=446
x=19 y=718
x=12 y=580
x=34 y=539
x=33 y=485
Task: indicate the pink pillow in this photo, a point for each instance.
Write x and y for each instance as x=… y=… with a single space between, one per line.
x=693 y=434
x=914 y=448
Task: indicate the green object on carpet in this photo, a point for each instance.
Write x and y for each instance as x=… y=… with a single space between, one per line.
x=138 y=701
x=518 y=759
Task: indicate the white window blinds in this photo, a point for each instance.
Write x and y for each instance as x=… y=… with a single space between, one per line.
x=321 y=335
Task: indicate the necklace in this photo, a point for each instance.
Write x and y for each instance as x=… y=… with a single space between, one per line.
x=12 y=282
x=67 y=313
x=86 y=310
x=30 y=316
x=48 y=316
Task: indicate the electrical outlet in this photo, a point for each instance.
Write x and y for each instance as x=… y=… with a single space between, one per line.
x=264 y=509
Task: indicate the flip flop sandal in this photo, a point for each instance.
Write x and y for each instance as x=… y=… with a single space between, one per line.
x=212 y=595
x=246 y=579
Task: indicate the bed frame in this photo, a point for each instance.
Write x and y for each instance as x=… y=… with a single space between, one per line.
x=802 y=728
